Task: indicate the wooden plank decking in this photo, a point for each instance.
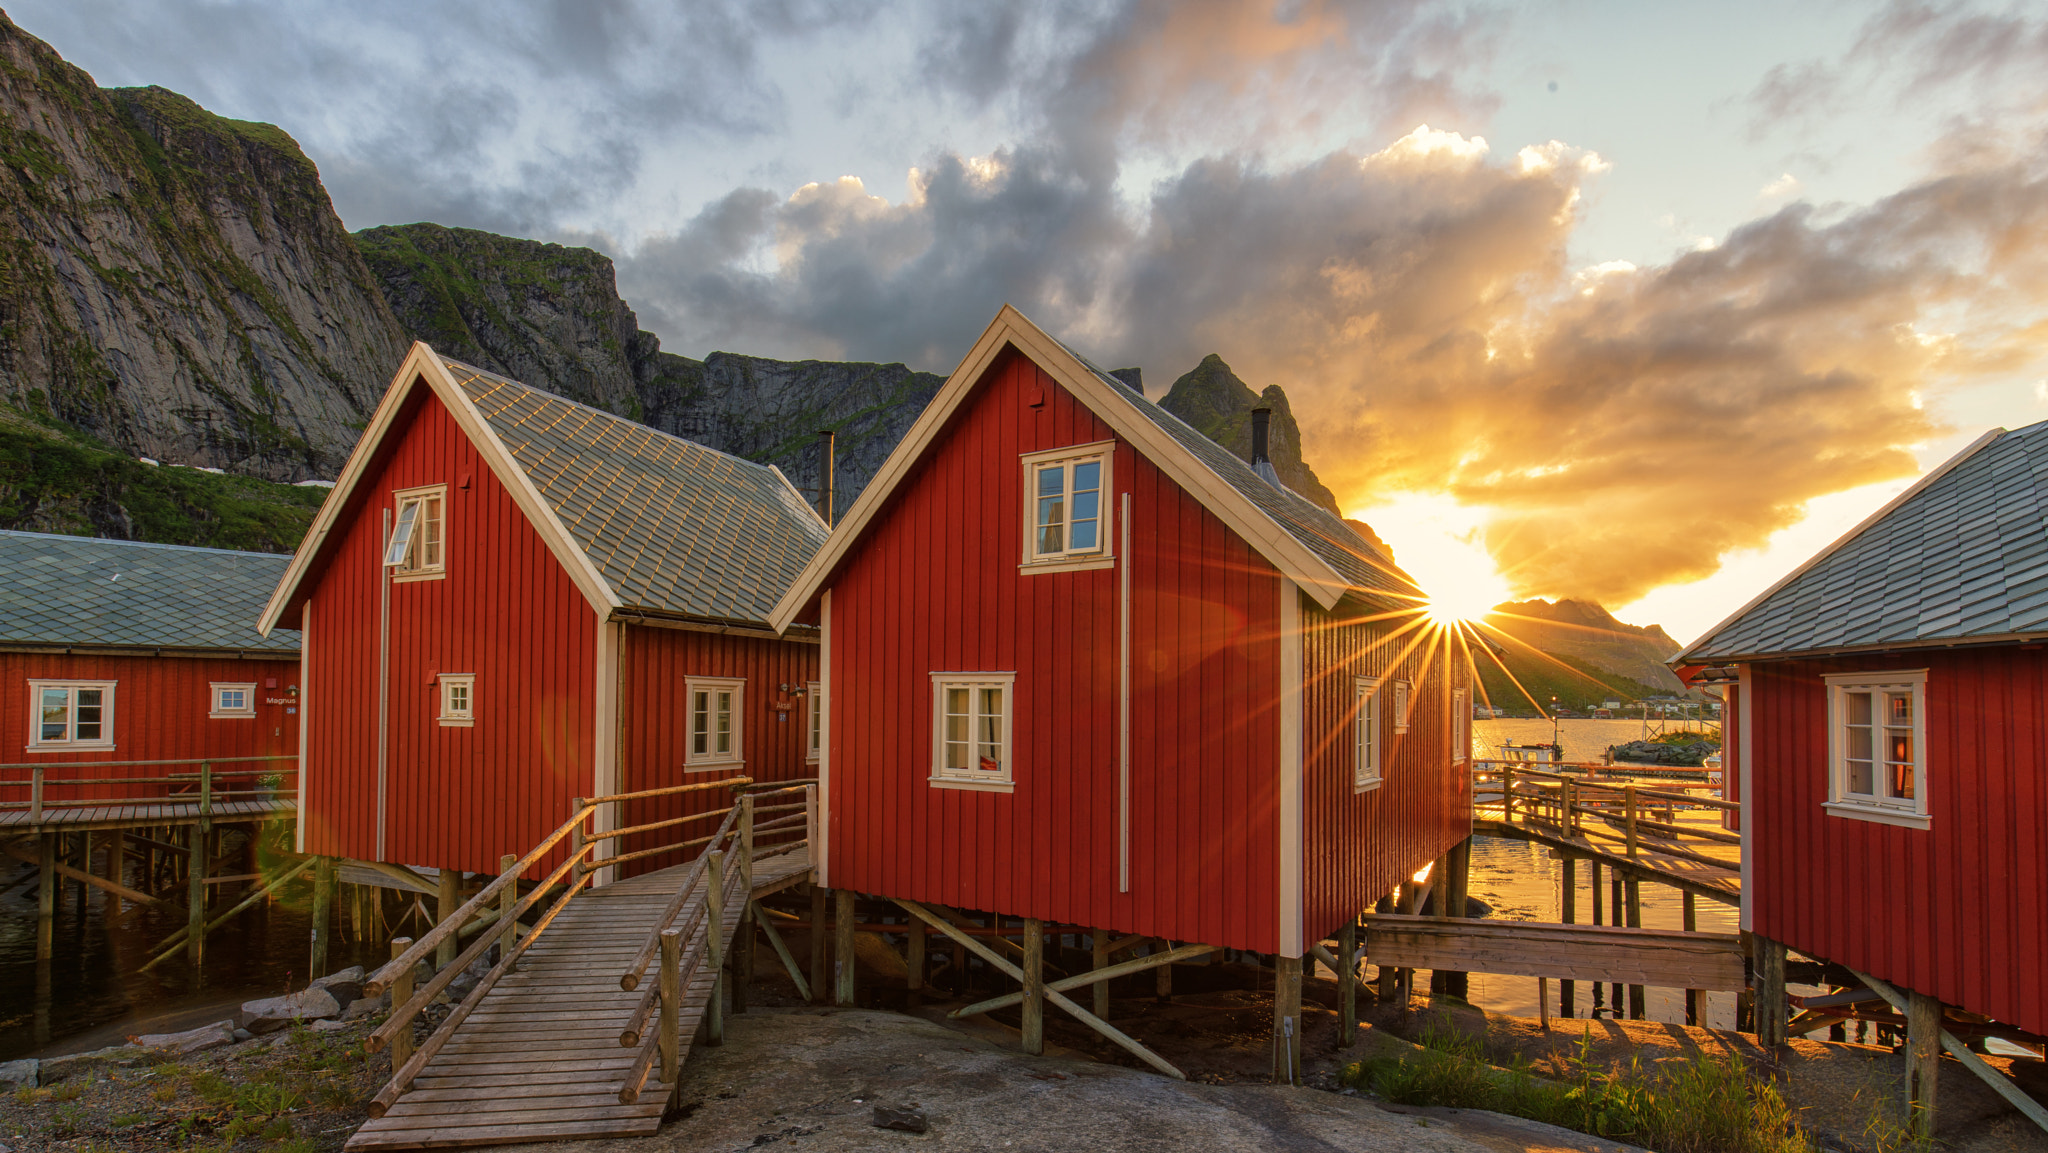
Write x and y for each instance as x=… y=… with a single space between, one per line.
x=540 y=1059
x=85 y=815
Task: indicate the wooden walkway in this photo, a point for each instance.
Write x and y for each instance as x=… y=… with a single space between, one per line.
x=1652 y=834
x=81 y=815
x=1655 y=859
x=540 y=1058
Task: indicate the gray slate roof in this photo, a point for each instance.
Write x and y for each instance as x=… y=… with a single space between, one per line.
x=1964 y=557
x=671 y=525
x=71 y=590
x=1326 y=535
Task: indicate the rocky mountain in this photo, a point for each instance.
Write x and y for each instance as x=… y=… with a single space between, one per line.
x=551 y=317
x=1587 y=633
x=173 y=283
x=1213 y=401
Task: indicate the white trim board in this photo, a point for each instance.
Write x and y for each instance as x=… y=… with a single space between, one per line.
x=1115 y=407
x=1292 y=851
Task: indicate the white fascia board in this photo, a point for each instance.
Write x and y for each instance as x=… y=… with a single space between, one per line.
x=1685 y=654
x=1011 y=327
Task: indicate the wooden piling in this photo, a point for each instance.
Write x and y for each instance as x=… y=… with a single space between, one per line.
x=1692 y=996
x=1162 y=977
x=508 y=936
x=914 y=962
x=1033 y=1007
x=1347 y=984
x=46 y=898
x=447 y=899
x=323 y=903
x=1099 y=947
x=1923 y=1060
x=1637 y=994
x=1287 y=1020
x=1772 y=1016
x=195 y=896
x=818 y=894
x=1455 y=884
x=743 y=957
x=670 y=1041
x=842 y=949
x=1568 y=902
x=714 y=946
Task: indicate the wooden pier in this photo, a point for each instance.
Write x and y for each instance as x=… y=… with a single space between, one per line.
x=1641 y=834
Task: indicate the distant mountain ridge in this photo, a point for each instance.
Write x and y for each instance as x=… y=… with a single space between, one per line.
x=1586 y=632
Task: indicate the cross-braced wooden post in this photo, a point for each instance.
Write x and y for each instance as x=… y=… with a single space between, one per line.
x=1034 y=986
x=1287 y=1020
x=1771 y=1008
x=842 y=949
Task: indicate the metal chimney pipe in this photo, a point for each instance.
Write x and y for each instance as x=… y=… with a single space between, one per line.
x=1262 y=419
x=828 y=463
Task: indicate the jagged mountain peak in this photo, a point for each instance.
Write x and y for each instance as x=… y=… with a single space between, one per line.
x=1215 y=402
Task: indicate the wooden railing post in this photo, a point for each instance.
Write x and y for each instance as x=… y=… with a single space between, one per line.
x=1568 y=806
x=576 y=840
x=35 y=798
x=1347 y=984
x=401 y=992
x=508 y=933
x=1629 y=796
x=811 y=823
x=1507 y=795
x=747 y=844
x=671 y=1002
x=714 y=944
x=205 y=788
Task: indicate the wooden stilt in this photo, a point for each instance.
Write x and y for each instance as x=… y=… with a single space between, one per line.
x=1033 y=1007
x=195 y=897
x=1347 y=984
x=117 y=852
x=743 y=958
x=913 y=962
x=509 y=935
x=323 y=920
x=1543 y=1002
x=1692 y=996
x=670 y=1040
x=1637 y=994
x=1099 y=946
x=1568 y=909
x=1457 y=882
x=1616 y=916
x=85 y=867
x=1287 y=1020
x=714 y=946
x=1162 y=977
x=46 y=898
x=1771 y=1009
x=1923 y=1060
x=842 y=949
x=447 y=898
x=818 y=895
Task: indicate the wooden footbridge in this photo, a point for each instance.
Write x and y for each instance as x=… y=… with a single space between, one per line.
x=1640 y=834
x=580 y=1028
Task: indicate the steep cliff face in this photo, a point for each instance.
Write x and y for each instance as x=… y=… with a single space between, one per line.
x=173 y=283
x=1217 y=404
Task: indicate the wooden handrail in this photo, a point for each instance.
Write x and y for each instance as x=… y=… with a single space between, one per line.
x=671 y=790
x=124 y=764
x=630 y=980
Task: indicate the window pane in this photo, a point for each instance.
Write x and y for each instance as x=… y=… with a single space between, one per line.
x=400 y=550
x=1086 y=521
x=1052 y=480
x=1861 y=779
x=86 y=720
x=1860 y=747
x=1858 y=705
x=1052 y=534
x=1901 y=710
x=1087 y=477
x=430 y=534
x=700 y=722
x=991 y=730
x=1902 y=782
x=724 y=722
x=56 y=708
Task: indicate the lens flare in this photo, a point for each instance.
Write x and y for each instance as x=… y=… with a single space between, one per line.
x=1438 y=542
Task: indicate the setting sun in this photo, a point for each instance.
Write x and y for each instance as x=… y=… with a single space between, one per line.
x=1437 y=541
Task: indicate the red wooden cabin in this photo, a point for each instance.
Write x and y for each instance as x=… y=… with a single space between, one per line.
x=1082 y=664
x=121 y=651
x=1889 y=733
x=511 y=600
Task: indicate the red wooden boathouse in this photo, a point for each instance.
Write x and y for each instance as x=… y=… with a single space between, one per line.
x=1889 y=733
x=511 y=600
x=123 y=651
x=1082 y=664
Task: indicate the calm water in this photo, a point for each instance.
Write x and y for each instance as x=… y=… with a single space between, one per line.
x=1583 y=740
x=91 y=994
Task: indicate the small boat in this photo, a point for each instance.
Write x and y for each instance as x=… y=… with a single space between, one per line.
x=1531 y=754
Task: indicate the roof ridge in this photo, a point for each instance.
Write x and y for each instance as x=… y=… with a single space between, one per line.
x=76 y=539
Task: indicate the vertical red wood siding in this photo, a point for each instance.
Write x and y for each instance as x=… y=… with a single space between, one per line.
x=934 y=586
x=1358 y=846
x=1958 y=910
x=506 y=611
x=655 y=665
x=160 y=713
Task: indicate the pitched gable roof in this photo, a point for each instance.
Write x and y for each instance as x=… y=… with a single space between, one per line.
x=1309 y=545
x=69 y=590
x=1960 y=557
x=640 y=519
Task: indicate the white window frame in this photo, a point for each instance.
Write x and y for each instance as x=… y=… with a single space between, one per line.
x=35 y=715
x=1368 y=738
x=407 y=568
x=814 y=726
x=711 y=760
x=1402 y=691
x=1002 y=781
x=220 y=711
x=1461 y=726
x=450 y=716
x=1101 y=555
x=1909 y=813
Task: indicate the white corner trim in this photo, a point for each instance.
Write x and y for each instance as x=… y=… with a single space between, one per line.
x=1745 y=743
x=821 y=853
x=1291 y=852
x=305 y=723
x=605 y=748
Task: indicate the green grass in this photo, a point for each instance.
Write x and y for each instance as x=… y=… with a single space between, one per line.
x=1704 y=1104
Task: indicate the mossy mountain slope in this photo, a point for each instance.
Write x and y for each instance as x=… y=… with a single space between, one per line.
x=1213 y=401
x=173 y=283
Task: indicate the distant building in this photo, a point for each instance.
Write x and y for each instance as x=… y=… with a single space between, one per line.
x=123 y=651
x=1888 y=735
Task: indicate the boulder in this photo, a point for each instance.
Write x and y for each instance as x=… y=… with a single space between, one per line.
x=352 y=975
x=54 y=1069
x=345 y=993
x=273 y=1013
x=329 y=1026
x=190 y=1041
x=18 y=1074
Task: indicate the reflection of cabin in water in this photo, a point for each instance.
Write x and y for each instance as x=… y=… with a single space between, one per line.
x=1888 y=735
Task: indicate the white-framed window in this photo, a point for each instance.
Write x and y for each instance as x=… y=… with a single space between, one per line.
x=1461 y=726
x=971 y=730
x=458 y=700
x=716 y=708
x=419 y=535
x=1877 y=746
x=814 y=723
x=233 y=701
x=1067 y=506
x=1365 y=734
x=1401 y=690
x=71 y=714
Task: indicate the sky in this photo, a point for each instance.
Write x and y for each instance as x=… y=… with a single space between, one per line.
x=1639 y=303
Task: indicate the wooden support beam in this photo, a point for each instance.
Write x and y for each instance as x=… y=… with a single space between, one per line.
x=1771 y=1007
x=818 y=894
x=1999 y=1082
x=1287 y=1020
x=447 y=899
x=1058 y=998
x=796 y=976
x=1923 y=1062
x=1096 y=977
x=1662 y=957
x=195 y=897
x=1347 y=984
x=46 y=897
x=1692 y=996
x=1033 y=1019
x=323 y=918
x=63 y=870
x=843 y=959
